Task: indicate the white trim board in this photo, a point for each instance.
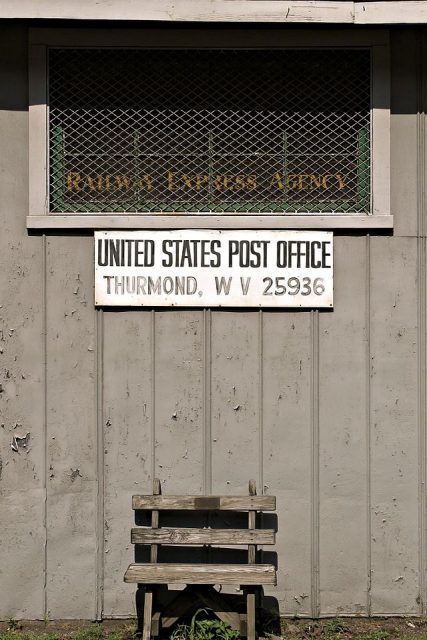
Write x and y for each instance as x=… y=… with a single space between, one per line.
x=244 y=11
x=391 y=12
x=331 y=11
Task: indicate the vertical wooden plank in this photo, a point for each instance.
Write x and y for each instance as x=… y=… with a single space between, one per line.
x=179 y=400
x=394 y=454
x=404 y=106
x=343 y=372
x=252 y=552
x=71 y=428
x=287 y=400
x=154 y=548
x=148 y=608
x=127 y=418
x=250 y=607
x=22 y=463
x=235 y=379
x=252 y=524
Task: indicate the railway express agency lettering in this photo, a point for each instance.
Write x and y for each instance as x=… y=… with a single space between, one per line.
x=214 y=268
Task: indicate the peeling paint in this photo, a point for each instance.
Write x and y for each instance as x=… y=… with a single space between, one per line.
x=75 y=473
x=20 y=442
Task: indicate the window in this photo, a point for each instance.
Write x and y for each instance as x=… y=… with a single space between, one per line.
x=219 y=133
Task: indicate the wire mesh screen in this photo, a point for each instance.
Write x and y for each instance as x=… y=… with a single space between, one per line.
x=232 y=131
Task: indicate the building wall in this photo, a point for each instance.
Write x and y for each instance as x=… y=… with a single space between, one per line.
x=326 y=410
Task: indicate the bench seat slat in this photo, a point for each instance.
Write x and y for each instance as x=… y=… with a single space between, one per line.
x=240 y=574
x=189 y=535
x=205 y=503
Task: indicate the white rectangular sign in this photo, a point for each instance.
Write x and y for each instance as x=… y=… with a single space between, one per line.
x=210 y=268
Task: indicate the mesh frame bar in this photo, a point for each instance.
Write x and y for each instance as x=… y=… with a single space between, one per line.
x=221 y=131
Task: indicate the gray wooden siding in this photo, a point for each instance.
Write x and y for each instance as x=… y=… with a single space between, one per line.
x=326 y=410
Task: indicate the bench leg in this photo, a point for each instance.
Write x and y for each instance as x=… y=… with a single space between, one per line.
x=148 y=609
x=250 y=606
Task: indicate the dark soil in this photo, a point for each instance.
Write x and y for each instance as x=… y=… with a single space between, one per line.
x=291 y=629
x=348 y=628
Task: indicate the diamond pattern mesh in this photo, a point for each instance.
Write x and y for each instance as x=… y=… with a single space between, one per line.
x=231 y=131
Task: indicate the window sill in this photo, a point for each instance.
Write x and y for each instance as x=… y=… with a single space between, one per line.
x=200 y=221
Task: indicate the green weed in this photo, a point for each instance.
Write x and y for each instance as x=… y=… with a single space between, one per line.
x=335 y=627
x=204 y=629
x=127 y=632
x=95 y=632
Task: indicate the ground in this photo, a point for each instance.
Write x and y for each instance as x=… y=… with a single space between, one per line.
x=292 y=629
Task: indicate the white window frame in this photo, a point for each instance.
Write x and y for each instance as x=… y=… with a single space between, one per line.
x=198 y=38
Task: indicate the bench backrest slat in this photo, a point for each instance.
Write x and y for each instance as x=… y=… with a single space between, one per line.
x=242 y=574
x=178 y=536
x=204 y=503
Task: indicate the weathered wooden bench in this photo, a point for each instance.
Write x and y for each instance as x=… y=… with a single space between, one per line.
x=200 y=578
